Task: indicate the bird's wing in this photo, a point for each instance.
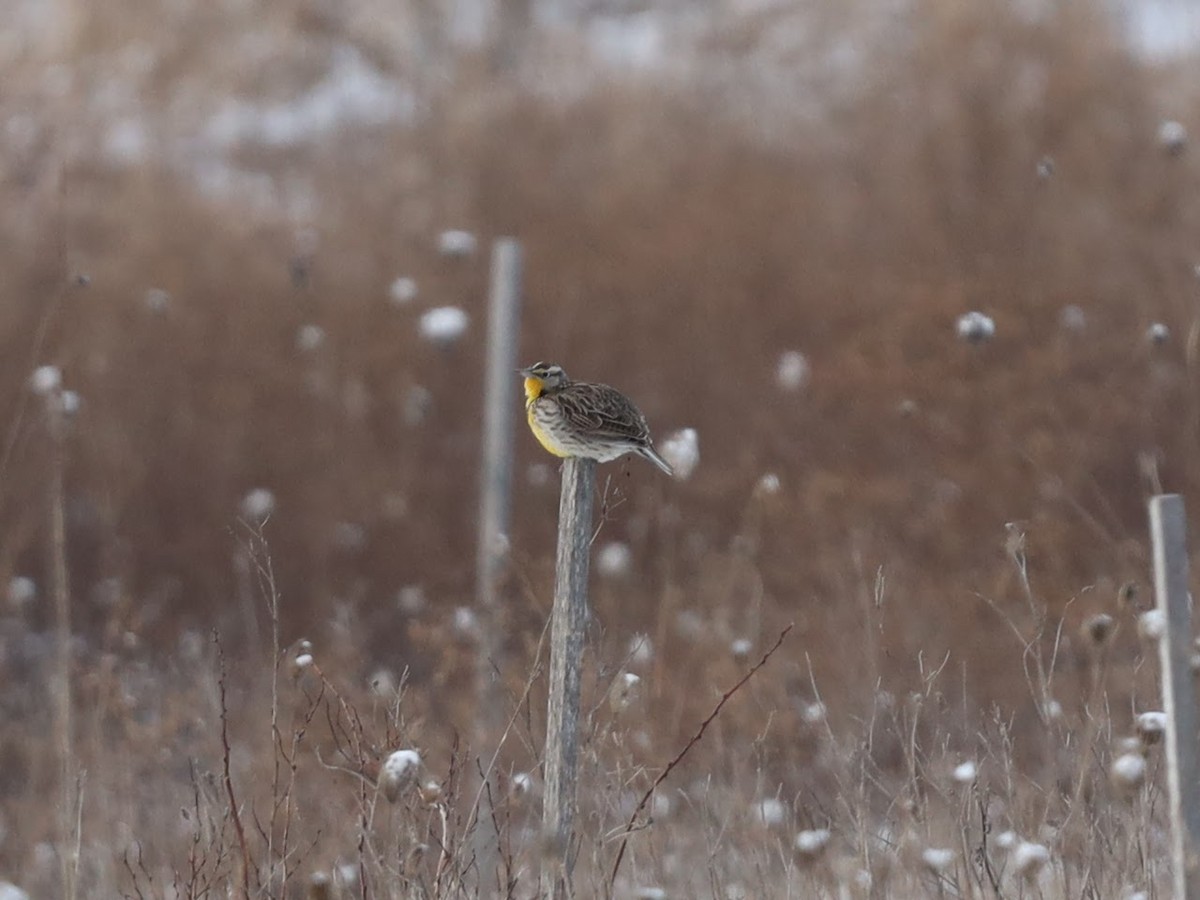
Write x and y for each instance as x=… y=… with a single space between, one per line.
x=600 y=410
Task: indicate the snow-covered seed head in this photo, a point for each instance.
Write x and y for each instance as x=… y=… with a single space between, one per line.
x=813 y=713
x=1072 y=318
x=430 y=792
x=812 y=843
x=399 y=773
x=309 y=338
x=383 y=684
x=1151 y=726
x=1052 y=710
x=156 y=300
x=257 y=505
x=1158 y=333
x=965 y=772
x=937 y=859
x=45 y=380
x=641 y=650
x=1128 y=772
x=302 y=659
x=522 y=783
x=614 y=559
x=466 y=623
x=411 y=600
x=1172 y=137
x=1028 y=858
x=443 y=326
x=1152 y=625
x=975 y=328
x=1045 y=167
x=1006 y=840
x=792 y=370
x=456 y=243
x=69 y=403
x=402 y=291
x=22 y=590
x=767 y=486
x=660 y=805
x=682 y=450
x=770 y=811
x=740 y=648
x=1098 y=630
x=624 y=692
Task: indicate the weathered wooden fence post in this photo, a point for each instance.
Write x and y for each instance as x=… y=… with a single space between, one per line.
x=1168 y=530
x=496 y=471
x=569 y=621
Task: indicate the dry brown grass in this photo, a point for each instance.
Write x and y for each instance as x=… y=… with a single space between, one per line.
x=675 y=247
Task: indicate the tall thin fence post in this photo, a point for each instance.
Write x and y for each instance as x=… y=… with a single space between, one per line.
x=495 y=502
x=496 y=473
x=569 y=621
x=1168 y=529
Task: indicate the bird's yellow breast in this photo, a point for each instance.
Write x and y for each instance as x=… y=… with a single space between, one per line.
x=533 y=390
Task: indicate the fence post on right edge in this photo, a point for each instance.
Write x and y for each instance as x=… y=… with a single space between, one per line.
x=1168 y=531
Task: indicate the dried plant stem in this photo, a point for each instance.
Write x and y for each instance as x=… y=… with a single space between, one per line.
x=695 y=739
x=234 y=812
x=69 y=836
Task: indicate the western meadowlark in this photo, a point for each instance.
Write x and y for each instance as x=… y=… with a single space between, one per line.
x=592 y=421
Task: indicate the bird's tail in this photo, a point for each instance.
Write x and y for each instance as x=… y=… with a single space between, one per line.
x=651 y=454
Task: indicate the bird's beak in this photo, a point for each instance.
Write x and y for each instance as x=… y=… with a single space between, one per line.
x=525 y=372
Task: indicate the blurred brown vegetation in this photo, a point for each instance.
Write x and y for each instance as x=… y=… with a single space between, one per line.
x=675 y=246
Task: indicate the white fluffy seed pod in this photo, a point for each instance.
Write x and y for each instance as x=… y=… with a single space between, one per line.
x=1028 y=858
x=1158 y=333
x=1128 y=772
x=1152 y=625
x=768 y=485
x=456 y=243
x=770 y=811
x=22 y=590
x=257 y=505
x=45 y=380
x=614 y=559
x=1172 y=137
x=682 y=451
x=814 y=713
x=1072 y=318
x=937 y=859
x=624 y=692
x=443 y=325
x=399 y=773
x=812 y=843
x=792 y=370
x=641 y=650
x=156 y=300
x=965 y=773
x=402 y=291
x=975 y=328
x=309 y=338
x=1151 y=726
